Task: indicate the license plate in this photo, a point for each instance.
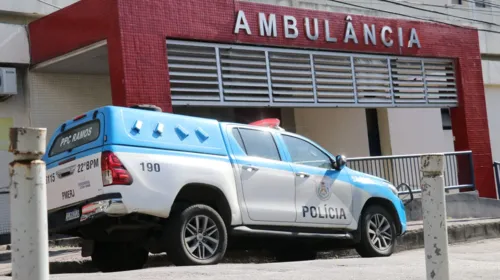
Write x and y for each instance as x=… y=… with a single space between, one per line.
x=72 y=215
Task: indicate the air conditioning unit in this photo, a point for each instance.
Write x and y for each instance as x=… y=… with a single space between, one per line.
x=8 y=81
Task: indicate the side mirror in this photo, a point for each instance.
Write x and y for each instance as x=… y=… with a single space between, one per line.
x=340 y=162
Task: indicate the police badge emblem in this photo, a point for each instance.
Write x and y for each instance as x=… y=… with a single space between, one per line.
x=323 y=190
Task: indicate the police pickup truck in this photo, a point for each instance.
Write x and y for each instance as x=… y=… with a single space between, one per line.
x=131 y=181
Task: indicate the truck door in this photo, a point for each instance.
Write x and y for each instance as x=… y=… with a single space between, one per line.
x=323 y=194
x=268 y=182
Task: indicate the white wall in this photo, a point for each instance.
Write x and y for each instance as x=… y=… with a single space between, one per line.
x=339 y=130
x=449 y=141
x=490 y=72
x=55 y=98
x=14 y=46
x=12 y=112
x=14 y=109
x=415 y=131
x=33 y=6
x=493 y=109
x=402 y=130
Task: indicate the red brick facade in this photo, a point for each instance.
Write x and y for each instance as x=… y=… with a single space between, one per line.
x=136 y=32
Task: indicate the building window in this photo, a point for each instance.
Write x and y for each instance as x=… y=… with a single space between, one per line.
x=456 y=2
x=373 y=132
x=446 y=118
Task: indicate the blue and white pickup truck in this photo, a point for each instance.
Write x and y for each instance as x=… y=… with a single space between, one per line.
x=133 y=181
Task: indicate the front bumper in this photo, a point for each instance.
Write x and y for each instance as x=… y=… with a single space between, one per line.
x=85 y=212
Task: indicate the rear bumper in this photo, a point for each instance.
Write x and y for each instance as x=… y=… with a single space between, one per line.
x=87 y=211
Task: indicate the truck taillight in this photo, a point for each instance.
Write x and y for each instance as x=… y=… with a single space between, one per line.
x=113 y=171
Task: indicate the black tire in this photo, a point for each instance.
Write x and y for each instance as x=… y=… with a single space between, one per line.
x=368 y=249
x=176 y=232
x=115 y=256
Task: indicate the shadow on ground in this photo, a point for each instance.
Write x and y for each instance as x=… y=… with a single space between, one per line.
x=161 y=260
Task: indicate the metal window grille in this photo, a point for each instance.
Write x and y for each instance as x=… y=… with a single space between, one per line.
x=238 y=75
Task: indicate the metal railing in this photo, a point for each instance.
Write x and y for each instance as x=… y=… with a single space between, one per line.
x=496 y=168
x=405 y=169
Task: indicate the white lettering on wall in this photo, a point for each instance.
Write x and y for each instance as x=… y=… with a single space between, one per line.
x=369 y=34
x=267 y=26
x=383 y=36
x=242 y=23
x=414 y=39
x=308 y=29
x=350 y=34
x=328 y=37
x=400 y=36
x=290 y=24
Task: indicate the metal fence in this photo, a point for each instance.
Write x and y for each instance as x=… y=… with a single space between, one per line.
x=496 y=168
x=405 y=169
x=4 y=216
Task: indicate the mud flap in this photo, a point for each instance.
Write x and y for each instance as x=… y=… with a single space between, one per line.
x=87 y=248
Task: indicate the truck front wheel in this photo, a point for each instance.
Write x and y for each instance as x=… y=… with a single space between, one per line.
x=118 y=256
x=378 y=233
x=196 y=236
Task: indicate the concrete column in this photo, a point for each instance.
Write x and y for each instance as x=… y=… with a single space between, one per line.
x=28 y=204
x=434 y=214
x=138 y=70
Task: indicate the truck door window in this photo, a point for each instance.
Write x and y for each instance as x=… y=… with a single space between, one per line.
x=258 y=143
x=305 y=153
x=237 y=135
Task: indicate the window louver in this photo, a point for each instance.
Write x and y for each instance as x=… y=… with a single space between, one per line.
x=243 y=75
x=210 y=74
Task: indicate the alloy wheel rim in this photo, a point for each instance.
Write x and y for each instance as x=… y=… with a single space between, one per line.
x=380 y=232
x=201 y=237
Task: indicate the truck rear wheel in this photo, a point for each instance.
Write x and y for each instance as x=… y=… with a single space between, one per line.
x=196 y=236
x=378 y=233
x=115 y=256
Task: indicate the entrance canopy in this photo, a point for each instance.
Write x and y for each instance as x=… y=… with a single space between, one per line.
x=92 y=59
x=231 y=53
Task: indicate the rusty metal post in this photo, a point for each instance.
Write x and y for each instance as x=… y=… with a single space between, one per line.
x=28 y=205
x=434 y=215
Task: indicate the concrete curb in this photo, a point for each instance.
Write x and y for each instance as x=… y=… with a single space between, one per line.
x=457 y=233
x=66 y=242
x=414 y=239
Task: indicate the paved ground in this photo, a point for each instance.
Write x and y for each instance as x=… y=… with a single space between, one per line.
x=478 y=260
